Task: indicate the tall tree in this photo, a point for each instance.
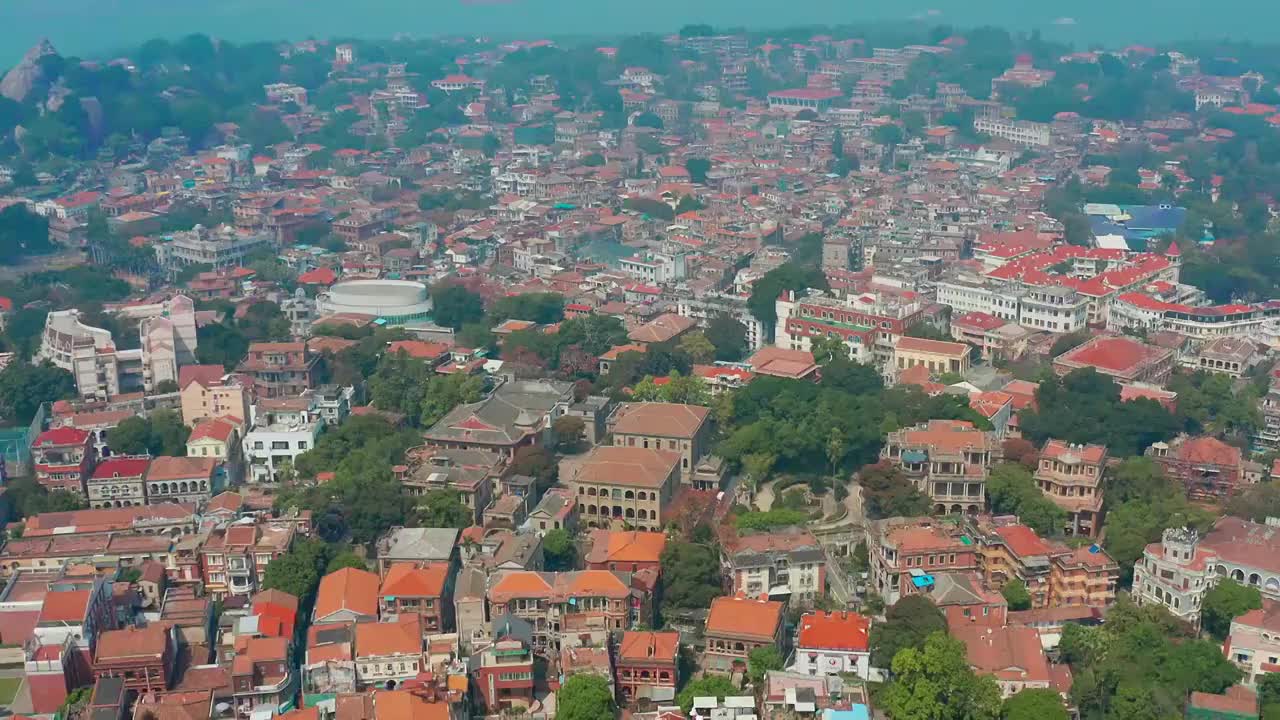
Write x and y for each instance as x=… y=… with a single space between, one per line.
x=936 y=682
x=907 y=624
x=585 y=697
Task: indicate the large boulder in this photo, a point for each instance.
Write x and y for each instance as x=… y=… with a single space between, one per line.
x=27 y=76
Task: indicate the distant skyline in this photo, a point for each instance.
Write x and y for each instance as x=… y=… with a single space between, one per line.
x=97 y=27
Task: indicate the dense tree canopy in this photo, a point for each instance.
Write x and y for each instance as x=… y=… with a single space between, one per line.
x=907 y=624
x=1085 y=407
x=691 y=576
x=936 y=681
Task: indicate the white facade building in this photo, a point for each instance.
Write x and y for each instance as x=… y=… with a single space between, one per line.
x=1018 y=132
x=167 y=334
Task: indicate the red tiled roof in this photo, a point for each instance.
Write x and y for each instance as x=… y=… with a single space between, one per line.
x=121 y=467
x=833 y=631
x=744 y=617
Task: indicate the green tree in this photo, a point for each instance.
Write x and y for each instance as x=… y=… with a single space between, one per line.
x=698 y=169
x=729 y=336
x=298 y=572
x=691 y=576
x=569 y=430
x=22 y=234
x=760 y=661
x=219 y=344
x=345 y=559
x=907 y=624
x=765 y=291
x=697 y=347
x=887 y=492
x=585 y=697
x=454 y=306
x=936 y=681
x=131 y=437
x=444 y=509
x=771 y=519
x=1034 y=704
x=559 y=550
x=24 y=388
x=541 y=308
x=709 y=685
x=1011 y=490
x=1225 y=602
x=1015 y=593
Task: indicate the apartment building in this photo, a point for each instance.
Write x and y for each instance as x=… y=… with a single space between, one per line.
x=473 y=474
x=235 y=558
x=948 y=460
x=1071 y=476
x=632 y=486
x=789 y=563
x=736 y=626
x=167 y=340
x=671 y=427
x=1054 y=574
x=276 y=440
x=281 y=369
x=1053 y=308
x=1018 y=132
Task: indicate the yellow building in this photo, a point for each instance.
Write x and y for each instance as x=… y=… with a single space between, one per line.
x=936 y=355
x=217 y=439
x=625 y=486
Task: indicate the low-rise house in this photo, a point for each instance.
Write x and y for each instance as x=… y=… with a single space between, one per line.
x=948 y=460
x=181 y=479
x=347 y=595
x=833 y=643
x=965 y=599
x=235 y=559
x=1206 y=467
x=557 y=510
x=625 y=550
x=329 y=666
x=145 y=657
x=1254 y=641
x=1013 y=655
x=503 y=670
x=280 y=369
x=738 y=625
x=118 y=482
x=388 y=653
x=473 y=474
x=217 y=439
x=1123 y=358
x=1071 y=476
x=568 y=604
x=262 y=677
x=938 y=356
x=422 y=592
x=907 y=554
x=788 y=565
x=517 y=414
x=1054 y=574
x=62 y=459
x=648 y=665
x=417 y=546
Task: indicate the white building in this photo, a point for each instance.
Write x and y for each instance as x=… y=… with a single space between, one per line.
x=1052 y=307
x=277 y=440
x=1254 y=642
x=833 y=643
x=655 y=268
x=1175 y=573
x=397 y=302
x=167 y=338
x=219 y=248
x=1018 y=132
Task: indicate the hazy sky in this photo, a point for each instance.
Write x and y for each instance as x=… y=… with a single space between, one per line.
x=91 y=27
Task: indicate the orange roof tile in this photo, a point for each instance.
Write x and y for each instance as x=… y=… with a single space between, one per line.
x=744 y=617
x=347 y=589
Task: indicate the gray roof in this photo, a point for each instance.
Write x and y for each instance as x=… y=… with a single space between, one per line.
x=418 y=544
x=511 y=412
